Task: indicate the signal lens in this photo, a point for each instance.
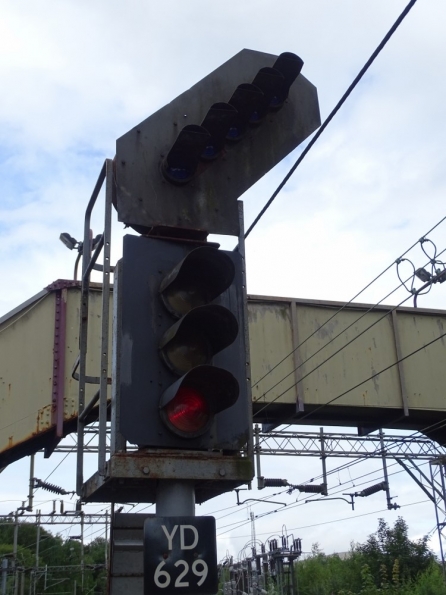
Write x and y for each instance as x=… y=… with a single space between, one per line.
x=183 y=355
x=188 y=411
x=183 y=299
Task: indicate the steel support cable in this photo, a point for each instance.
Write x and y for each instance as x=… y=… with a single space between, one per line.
x=68 y=453
x=335 y=337
x=363 y=482
x=300 y=503
x=265 y=499
x=259 y=501
x=296 y=504
x=332 y=114
x=402 y=283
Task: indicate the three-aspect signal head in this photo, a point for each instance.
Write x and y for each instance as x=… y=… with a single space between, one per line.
x=204 y=329
x=228 y=122
x=183 y=354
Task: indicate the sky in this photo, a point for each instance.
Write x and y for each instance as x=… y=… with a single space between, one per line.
x=76 y=75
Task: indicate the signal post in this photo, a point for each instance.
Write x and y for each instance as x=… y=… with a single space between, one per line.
x=181 y=407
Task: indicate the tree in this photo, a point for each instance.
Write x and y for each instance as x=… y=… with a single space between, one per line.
x=389 y=545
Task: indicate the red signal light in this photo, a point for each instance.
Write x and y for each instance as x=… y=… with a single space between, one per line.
x=188 y=412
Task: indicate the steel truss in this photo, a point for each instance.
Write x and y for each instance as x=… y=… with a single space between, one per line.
x=317 y=444
x=60 y=519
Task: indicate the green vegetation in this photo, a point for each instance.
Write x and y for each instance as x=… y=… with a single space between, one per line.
x=388 y=563
x=59 y=566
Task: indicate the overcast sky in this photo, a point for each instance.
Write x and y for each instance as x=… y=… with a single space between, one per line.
x=76 y=75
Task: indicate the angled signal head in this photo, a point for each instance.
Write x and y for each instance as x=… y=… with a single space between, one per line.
x=197 y=280
x=197 y=337
x=209 y=204
x=181 y=163
x=188 y=406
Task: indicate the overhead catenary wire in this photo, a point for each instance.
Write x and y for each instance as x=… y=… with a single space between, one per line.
x=288 y=507
x=331 y=341
x=297 y=504
x=328 y=359
x=334 y=111
x=364 y=381
x=402 y=283
x=322 y=363
x=352 y=517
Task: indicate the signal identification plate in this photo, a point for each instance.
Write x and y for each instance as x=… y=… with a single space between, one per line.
x=180 y=555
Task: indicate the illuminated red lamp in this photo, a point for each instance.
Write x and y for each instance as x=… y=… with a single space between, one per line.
x=188 y=411
x=188 y=406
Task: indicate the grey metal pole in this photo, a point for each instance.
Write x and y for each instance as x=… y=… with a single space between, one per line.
x=16 y=535
x=324 y=464
x=241 y=250
x=31 y=484
x=386 y=477
x=438 y=501
x=82 y=551
x=16 y=580
x=102 y=443
x=37 y=552
x=175 y=498
x=106 y=540
x=4 y=574
x=38 y=539
x=260 y=480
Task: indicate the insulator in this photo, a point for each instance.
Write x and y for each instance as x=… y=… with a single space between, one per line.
x=275 y=483
x=311 y=489
x=378 y=487
x=273 y=544
x=49 y=487
x=297 y=545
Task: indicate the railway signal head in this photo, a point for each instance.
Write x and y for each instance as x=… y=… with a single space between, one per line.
x=183 y=352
